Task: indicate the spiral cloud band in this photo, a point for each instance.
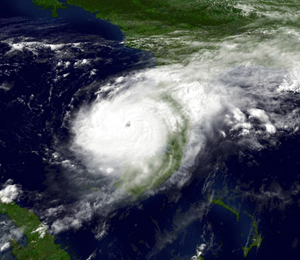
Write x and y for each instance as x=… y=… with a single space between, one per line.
x=148 y=125
x=138 y=135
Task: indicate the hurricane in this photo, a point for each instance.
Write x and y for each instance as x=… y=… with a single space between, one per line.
x=134 y=134
x=134 y=138
x=152 y=127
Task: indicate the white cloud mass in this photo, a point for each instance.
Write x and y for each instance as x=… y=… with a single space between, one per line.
x=9 y=193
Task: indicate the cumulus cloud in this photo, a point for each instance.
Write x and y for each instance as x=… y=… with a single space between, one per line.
x=5 y=246
x=9 y=193
x=42 y=229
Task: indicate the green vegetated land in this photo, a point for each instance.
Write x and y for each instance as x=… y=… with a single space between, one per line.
x=256 y=238
x=222 y=204
x=175 y=29
x=39 y=247
x=164 y=27
x=156 y=17
x=51 y=4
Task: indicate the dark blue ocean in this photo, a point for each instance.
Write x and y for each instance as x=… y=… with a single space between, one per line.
x=43 y=79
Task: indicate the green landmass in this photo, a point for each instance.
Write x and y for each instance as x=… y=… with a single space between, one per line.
x=39 y=247
x=156 y=17
x=175 y=29
x=256 y=239
x=51 y=4
x=168 y=28
x=222 y=204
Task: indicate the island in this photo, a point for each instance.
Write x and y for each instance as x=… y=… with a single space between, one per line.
x=256 y=239
x=222 y=204
x=40 y=244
